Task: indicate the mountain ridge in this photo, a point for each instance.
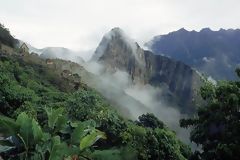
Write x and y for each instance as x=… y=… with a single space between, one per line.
x=214 y=53
x=55 y=52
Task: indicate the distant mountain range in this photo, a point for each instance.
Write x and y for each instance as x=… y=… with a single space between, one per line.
x=61 y=53
x=214 y=53
x=56 y=52
x=117 y=51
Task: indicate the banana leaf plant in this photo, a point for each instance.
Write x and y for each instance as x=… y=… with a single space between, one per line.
x=24 y=138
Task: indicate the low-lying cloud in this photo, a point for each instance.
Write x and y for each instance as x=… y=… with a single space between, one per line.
x=136 y=99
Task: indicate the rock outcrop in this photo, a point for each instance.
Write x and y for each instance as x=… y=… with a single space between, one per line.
x=117 y=51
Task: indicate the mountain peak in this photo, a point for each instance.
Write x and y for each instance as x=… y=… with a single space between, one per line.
x=115 y=39
x=206 y=30
x=182 y=30
x=118 y=33
x=117 y=30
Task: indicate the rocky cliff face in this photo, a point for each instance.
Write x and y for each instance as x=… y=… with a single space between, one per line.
x=117 y=51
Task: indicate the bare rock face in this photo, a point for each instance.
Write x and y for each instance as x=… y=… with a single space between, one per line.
x=117 y=51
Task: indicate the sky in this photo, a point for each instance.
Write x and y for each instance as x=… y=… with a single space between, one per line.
x=80 y=24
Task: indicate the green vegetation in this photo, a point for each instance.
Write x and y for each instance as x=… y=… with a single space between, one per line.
x=50 y=118
x=5 y=37
x=43 y=116
x=217 y=125
x=28 y=140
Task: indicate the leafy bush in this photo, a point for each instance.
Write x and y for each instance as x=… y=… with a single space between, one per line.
x=155 y=143
x=26 y=139
x=217 y=125
x=149 y=120
x=87 y=104
x=127 y=153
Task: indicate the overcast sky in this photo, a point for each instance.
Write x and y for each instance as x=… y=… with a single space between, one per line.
x=80 y=24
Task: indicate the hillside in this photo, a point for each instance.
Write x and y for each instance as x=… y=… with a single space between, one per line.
x=214 y=53
x=58 y=116
x=6 y=38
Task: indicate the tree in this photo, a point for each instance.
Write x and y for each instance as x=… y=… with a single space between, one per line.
x=149 y=120
x=153 y=142
x=217 y=125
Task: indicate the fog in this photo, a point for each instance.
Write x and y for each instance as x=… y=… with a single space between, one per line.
x=136 y=99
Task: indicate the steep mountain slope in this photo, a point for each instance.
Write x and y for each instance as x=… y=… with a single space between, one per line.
x=214 y=53
x=6 y=38
x=117 y=51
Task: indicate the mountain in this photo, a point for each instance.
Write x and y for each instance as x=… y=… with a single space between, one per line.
x=61 y=53
x=55 y=52
x=214 y=53
x=63 y=59
x=118 y=52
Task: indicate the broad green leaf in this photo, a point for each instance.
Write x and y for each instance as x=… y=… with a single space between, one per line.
x=5 y=142
x=110 y=154
x=74 y=150
x=53 y=115
x=91 y=138
x=25 y=124
x=37 y=131
x=8 y=126
x=78 y=133
x=46 y=136
x=43 y=148
x=36 y=156
x=82 y=128
x=5 y=148
x=58 y=150
x=74 y=124
x=101 y=134
x=61 y=123
x=90 y=123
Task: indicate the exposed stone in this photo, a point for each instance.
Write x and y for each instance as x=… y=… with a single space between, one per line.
x=116 y=51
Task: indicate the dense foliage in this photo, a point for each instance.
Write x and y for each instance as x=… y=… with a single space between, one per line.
x=5 y=37
x=217 y=125
x=47 y=107
x=26 y=139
